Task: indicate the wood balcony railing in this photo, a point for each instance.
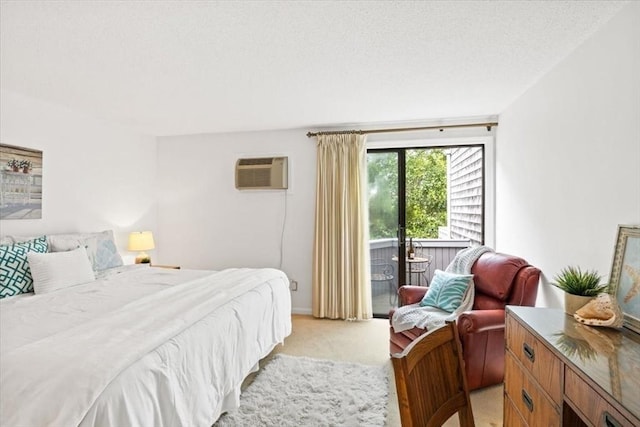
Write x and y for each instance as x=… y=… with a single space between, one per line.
x=385 y=250
x=441 y=251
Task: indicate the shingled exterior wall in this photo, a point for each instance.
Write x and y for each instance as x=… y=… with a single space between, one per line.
x=465 y=194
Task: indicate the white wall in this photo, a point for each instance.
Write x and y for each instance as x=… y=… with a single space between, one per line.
x=96 y=176
x=204 y=222
x=568 y=157
x=567 y=174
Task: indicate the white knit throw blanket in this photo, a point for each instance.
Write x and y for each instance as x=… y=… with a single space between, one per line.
x=413 y=315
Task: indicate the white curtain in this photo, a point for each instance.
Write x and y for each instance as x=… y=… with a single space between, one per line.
x=341 y=272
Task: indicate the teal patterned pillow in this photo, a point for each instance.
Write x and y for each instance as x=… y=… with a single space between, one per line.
x=15 y=274
x=446 y=290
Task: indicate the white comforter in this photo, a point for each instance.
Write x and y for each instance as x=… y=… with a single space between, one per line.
x=147 y=346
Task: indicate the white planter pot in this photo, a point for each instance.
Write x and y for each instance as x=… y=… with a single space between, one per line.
x=574 y=302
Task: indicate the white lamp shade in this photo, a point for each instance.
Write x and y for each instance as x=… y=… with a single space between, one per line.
x=141 y=241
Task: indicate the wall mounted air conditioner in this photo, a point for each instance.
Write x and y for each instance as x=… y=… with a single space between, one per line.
x=264 y=173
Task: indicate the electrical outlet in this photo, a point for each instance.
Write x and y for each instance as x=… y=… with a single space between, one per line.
x=293 y=285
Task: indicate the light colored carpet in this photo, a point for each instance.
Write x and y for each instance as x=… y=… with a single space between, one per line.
x=367 y=342
x=301 y=391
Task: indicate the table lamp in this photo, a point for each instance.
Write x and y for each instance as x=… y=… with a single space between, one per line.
x=141 y=241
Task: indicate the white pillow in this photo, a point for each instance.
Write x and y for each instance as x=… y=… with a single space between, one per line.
x=58 y=270
x=65 y=243
x=101 y=247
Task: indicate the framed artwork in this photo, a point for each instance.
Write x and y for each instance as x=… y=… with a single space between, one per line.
x=624 y=283
x=20 y=183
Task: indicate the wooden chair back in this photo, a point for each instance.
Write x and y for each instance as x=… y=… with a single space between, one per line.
x=430 y=380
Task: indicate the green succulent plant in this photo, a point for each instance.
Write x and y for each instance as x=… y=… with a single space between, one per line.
x=574 y=281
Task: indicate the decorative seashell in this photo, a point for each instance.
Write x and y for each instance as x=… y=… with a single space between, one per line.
x=601 y=311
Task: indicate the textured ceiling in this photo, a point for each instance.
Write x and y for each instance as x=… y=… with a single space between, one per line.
x=169 y=67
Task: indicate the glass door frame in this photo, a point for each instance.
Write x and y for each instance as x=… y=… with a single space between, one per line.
x=383 y=143
x=402 y=206
x=399 y=147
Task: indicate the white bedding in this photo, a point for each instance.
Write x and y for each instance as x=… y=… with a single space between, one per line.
x=141 y=346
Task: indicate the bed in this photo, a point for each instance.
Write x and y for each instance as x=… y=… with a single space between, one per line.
x=138 y=346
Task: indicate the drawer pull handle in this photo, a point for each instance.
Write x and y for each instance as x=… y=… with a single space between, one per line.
x=609 y=421
x=528 y=351
x=527 y=400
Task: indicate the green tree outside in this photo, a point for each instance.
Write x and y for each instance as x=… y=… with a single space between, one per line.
x=426 y=193
x=383 y=195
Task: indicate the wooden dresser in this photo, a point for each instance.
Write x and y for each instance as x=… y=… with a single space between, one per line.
x=560 y=372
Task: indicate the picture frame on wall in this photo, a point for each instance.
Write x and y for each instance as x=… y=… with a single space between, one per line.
x=624 y=282
x=20 y=183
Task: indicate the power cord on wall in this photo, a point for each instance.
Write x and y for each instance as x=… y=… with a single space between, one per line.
x=284 y=222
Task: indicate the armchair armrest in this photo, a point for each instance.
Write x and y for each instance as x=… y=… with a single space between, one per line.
x=475 y=321
x=411 y=294
x=482 y=337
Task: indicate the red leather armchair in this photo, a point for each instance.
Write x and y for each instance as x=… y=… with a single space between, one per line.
x=500 y=280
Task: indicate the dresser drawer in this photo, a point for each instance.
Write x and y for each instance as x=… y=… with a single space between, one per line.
x=527 y=396
x=595 y=408
x=511 y=416
x=537 y=359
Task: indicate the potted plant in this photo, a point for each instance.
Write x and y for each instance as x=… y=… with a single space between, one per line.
x=25 y=165
x=14 y=164
x=579 y=287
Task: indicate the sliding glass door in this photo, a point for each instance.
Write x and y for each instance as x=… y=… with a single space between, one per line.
x=386 y=227
x=430 y=197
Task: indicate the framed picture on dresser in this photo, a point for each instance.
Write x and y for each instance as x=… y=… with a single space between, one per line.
x=624 y=283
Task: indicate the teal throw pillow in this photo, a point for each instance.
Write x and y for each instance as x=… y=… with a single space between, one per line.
x=446 y=290
x=15 y=274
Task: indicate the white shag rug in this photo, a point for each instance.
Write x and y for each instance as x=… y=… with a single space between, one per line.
x=300 y=391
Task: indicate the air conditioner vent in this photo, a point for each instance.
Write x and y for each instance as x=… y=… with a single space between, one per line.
x=256 y=161
x=263 y=173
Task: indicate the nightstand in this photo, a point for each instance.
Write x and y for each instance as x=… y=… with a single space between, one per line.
x=173 y=267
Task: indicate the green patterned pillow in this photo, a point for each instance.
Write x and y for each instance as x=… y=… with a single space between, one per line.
x=446 y=290
x=15 y=274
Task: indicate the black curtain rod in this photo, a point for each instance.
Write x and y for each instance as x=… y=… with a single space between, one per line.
x=488 y=125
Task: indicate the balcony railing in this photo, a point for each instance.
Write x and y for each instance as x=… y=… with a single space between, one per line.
x=385 y=250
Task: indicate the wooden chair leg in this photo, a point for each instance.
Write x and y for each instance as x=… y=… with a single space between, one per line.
x=465 y=416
